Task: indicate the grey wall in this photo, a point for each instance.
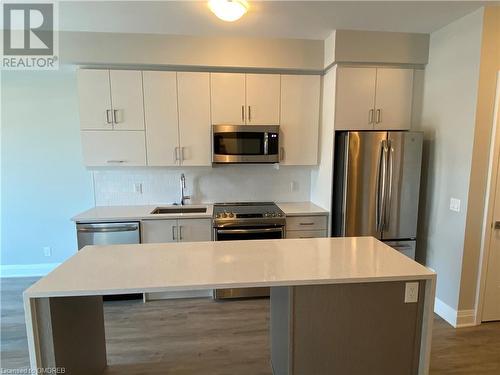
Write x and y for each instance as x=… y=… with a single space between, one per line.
x=153 y=49
x=448 y=120
x=348 y=46
x=43 y=179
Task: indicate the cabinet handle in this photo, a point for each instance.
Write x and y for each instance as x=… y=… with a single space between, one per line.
x=249 y=114
x=182 y=153
x=282 y=153
x=370 y=116
x=115 y=161
x=176 y=154
x=180 y=232
x=108 y=114
x=497 y=225
x=173 y=233
x=243 y=113
x=379 y=116
x=306 y=223
x=115 y=116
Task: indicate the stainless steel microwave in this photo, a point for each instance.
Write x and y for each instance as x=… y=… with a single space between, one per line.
x=245 y=144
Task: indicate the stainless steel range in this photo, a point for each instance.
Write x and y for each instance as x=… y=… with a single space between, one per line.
x=247 y=221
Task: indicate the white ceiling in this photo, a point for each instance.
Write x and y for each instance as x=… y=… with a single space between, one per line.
x=280 y=19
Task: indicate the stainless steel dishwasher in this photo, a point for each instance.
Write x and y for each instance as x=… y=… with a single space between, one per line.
x=108 y=233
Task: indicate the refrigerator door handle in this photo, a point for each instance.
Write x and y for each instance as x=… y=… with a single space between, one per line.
x=387 y=208
x=381 y=187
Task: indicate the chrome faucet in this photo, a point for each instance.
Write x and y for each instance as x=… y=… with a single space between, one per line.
x=183 y=187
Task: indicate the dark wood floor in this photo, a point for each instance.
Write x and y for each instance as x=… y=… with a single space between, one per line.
x=201 y=336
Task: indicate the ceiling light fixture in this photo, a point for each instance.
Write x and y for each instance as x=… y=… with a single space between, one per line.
x=228 y=10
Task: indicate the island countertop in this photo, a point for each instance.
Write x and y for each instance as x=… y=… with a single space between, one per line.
x=122 y=269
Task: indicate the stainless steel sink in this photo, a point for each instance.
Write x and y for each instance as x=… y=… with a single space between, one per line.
x=179 y=210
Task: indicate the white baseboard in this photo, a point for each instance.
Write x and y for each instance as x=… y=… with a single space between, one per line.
x=458 y=319
x=27 y=270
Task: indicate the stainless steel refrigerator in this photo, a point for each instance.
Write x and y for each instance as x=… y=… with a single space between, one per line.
x=376 y=186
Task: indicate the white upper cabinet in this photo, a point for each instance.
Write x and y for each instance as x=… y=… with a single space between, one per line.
x=393 y=98
x=228 y=98
x=160 y=109
x=110 y=100
x=113 y=148
x=194 y=118
x=300 y=101
x=95 y=99
x=373 y=98
x=355 y=98
x=263 y=99
x=127 y=99
x=239 y=98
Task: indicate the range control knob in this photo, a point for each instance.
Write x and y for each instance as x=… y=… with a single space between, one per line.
x=274 y=214
x=267 y=214
x=217 y=216
x=231 y=214
x=224 y=215
x=280 y=214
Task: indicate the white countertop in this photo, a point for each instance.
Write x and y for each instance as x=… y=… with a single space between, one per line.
x=301 y=209
x=124 y=213
x=121 y=269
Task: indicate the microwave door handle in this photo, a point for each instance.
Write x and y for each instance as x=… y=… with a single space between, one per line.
x=266 y=143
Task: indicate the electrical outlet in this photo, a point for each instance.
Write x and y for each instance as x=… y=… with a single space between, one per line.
x=47 y=251
x=411 y=292
x=138 y=187
x=455 y=204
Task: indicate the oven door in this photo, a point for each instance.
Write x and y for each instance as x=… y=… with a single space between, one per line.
x=245 y=144
x=235 y=234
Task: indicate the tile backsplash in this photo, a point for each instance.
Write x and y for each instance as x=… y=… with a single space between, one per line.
x=205 y=184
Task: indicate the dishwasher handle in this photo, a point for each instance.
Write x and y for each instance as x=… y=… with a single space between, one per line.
x=109 y=228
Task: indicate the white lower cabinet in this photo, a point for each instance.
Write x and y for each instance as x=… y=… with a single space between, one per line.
x=176 y=230
x=195 y=230
x=113 y=148
x=311 y=226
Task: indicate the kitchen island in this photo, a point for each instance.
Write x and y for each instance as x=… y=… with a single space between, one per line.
x=337 y=304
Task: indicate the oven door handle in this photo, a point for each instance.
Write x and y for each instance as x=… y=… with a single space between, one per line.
x=244 y=231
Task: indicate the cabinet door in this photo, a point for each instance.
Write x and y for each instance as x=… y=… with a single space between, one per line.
x=355 y=98
x=263 y=99
x=299 y=119
x=194 y=118
x=193 y=230
x=113 y=148
x=127 y=99
x=393 y=99
x=95 y=99
x=228 y=98
x=160 y=111
x=159 y=231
